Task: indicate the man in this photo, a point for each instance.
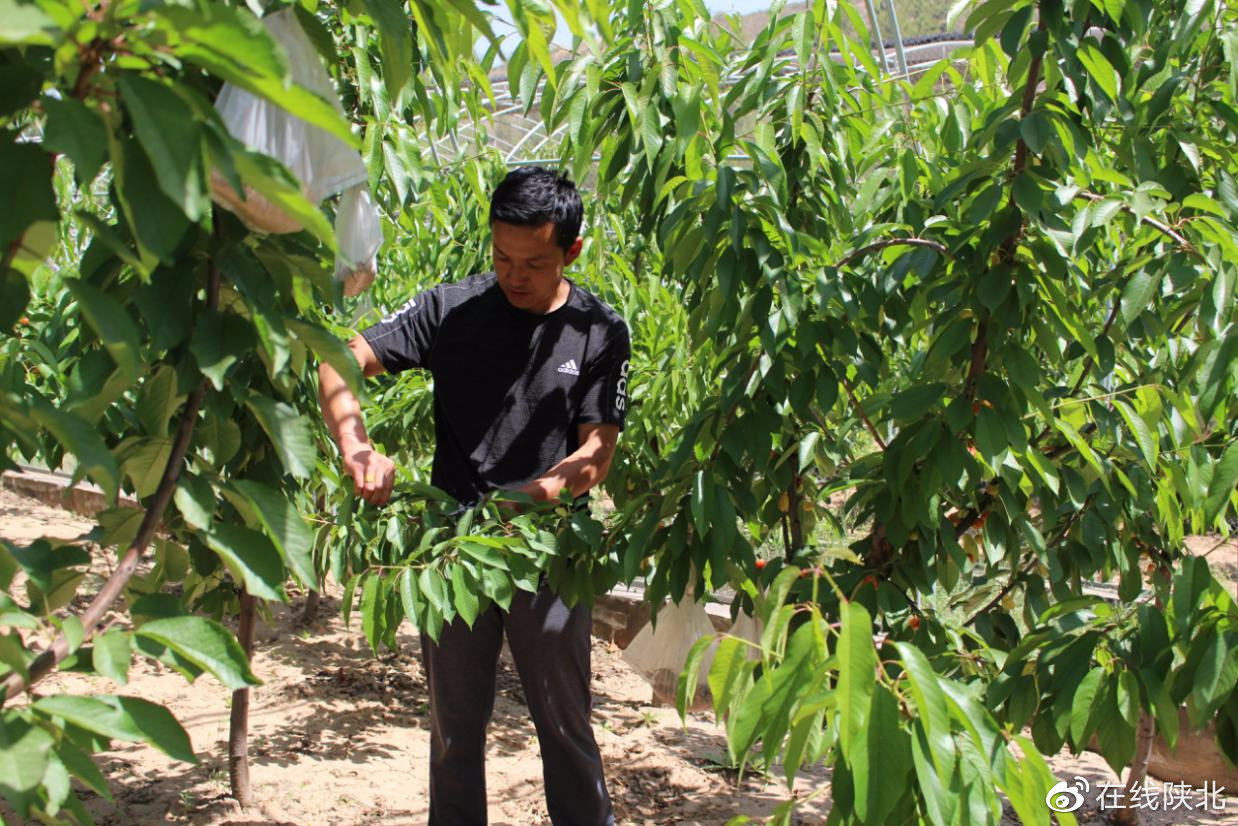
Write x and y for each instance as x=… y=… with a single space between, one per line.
x=530 y=383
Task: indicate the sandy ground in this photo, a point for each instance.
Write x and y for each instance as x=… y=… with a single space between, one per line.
x=339 y=737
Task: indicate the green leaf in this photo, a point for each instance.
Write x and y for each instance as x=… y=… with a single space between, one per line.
x=289 y=433
x=284 y=525
x=122 y=718
x=273 y=181
x=76 y=130
x=685 y=686
x=332 y=350
x=651 y=135
x=371 y=608
x=169 y=133
x=464 y=595
x=994 y=286
x=13 y=653
x=802 y=733
x=880 y=771
x=25 y=24
x=19 y=86
x=83 y=768
x=857 y=668
x=700 y=502
x=166 y=306
x=206 y=644
x=726 y=670
x=41 y=560
x=158 y=400
x=930 y=702
x=498 y=586
x=14 y=298
x=195 y=499
x=1099 y=67
x=1221 y=488
x=991 y=438
x=488 y=556
x=112 y=653
x=1081 y=707
x=145 y=463
x=1143 y=435
x=409 y=596
x=1215 y=676
x=939 y=803
x=157 y=222
x=1115 y=736
x=219 y=341
x=318 y=34
x=251 y=555
x=395 y=41
x=914 y=402
x=26 y=180
x=83 y=441
x=1137 y=295
x=434 y=588
x=115 y=328
x=746 y=721
x=24 y=748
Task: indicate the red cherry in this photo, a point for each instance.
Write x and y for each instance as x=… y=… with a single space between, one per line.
x=914 y=622
x=760 y=564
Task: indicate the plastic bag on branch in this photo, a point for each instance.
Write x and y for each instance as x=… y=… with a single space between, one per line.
x=748 y=628
x=323 y=163
x=359 y=233
x=658 y=653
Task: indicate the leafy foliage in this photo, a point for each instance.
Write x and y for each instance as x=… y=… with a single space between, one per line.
x=990 y=308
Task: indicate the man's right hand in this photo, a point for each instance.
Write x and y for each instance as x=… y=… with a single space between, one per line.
x=373 y=474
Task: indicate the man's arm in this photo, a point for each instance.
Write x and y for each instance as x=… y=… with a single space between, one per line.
x=373 y=474
x=580 y=470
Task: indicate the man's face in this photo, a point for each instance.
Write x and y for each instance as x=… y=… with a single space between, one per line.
x=529 y=265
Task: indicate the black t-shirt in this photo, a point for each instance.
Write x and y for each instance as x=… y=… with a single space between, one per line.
x=510 y=387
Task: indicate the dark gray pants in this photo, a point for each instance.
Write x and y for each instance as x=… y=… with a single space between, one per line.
x=550 y=644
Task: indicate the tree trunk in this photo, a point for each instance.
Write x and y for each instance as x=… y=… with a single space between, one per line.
x=795 y=514
x=1145 y=737
x=309 y=612
x=238 y=727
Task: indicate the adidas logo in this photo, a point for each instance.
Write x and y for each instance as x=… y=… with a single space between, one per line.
x=569 y=367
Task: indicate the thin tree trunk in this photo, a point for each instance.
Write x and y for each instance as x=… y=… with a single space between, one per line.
x=1145 y=737
x=91 y=619
x=795 y=514
x=238 y=727
x=309 y=612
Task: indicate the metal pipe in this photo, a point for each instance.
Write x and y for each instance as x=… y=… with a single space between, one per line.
x=879 y=46
x=898 y=37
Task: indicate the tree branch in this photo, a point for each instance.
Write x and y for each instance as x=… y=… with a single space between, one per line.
x=855 y=403
x=892 y=242
x=1145 y=738
x=795 y=514
x=1165 y=229
x=979 y=358
x=1029 y=100
x=1087 y=365
x=238 y=721
x=43 y=664
x=980 y=347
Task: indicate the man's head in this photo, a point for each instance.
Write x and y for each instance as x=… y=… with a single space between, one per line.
x=535 y=220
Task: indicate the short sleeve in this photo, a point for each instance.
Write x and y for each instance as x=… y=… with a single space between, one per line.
x=404 y=339
x=605 y=398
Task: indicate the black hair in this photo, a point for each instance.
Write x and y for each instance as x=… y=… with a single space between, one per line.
x=532 y=195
